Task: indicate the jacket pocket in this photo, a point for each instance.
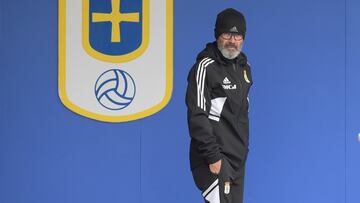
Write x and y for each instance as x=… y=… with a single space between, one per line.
x=225 y=171
x=202 y=176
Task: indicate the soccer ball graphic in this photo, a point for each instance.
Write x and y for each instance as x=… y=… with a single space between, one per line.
x=115 y=89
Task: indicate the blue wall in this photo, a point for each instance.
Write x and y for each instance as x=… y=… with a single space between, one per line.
x=304 y=111
x=352 y=101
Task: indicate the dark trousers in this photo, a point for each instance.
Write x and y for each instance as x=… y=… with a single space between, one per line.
x=213 y=188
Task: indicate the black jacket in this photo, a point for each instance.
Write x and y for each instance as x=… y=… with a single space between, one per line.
x=217 y=101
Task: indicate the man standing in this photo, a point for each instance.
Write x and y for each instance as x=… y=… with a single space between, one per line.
x=217 y=101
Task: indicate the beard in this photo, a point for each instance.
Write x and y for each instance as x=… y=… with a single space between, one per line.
x=229 y=50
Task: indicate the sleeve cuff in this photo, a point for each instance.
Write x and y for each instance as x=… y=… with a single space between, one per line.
x=214 y=159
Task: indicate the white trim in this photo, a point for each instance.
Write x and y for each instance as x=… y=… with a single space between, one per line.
x=217 y=105
x=200 y=80
x=202 y=84
x=210 y=187
x=214 y=118
x=214 y=195
x=199 y=71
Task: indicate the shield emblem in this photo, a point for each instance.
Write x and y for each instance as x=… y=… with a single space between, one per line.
x=114 y=66
x=116 y=30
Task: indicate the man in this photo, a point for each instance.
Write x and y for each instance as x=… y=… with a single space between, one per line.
x=217 y=101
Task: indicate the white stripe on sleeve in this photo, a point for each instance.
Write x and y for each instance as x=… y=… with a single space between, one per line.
x=198 y=74
x=203 y=100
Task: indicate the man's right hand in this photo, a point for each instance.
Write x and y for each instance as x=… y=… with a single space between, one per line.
x=215 y=167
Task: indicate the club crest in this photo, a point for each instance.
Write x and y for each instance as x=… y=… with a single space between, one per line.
x=113 y=66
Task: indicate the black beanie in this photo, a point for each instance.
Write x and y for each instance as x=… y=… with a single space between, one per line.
x=230 y=21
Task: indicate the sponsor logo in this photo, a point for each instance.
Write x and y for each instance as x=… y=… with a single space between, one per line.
x=227 y=84
x=234 y=29
x=229 y=87
x=226 y=81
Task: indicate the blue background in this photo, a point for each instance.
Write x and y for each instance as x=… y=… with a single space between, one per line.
x=304 y=111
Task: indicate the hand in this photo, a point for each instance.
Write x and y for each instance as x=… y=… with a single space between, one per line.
x=215 y=167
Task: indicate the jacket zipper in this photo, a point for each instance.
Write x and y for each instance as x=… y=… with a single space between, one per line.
x=241 y=91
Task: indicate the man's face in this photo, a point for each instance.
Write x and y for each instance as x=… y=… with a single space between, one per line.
x=230 y=45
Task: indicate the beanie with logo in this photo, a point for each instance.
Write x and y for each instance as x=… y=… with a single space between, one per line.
x=230 y=21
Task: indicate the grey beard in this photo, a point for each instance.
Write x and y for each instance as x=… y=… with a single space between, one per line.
x=227 y=53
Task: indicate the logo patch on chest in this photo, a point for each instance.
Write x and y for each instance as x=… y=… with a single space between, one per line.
x=227 y=84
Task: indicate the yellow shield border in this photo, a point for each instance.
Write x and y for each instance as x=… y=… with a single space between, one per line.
x=122 y=58
x=62 y=70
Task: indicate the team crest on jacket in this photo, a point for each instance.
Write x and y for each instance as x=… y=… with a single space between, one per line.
x=115 y=57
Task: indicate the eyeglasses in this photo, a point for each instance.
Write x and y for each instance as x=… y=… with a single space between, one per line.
x=228 y=36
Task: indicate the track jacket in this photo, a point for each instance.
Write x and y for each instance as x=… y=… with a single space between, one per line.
x=217 y=101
